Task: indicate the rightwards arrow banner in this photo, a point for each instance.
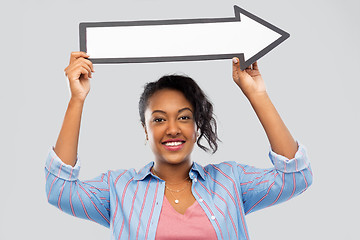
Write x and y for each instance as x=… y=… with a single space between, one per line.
x=245 y=36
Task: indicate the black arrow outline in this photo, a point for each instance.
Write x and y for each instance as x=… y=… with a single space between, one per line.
x=243 y=64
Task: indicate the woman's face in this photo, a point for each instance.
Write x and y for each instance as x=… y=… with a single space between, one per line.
x=170 y=126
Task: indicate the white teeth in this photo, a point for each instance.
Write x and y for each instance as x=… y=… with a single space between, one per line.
x=173 y=143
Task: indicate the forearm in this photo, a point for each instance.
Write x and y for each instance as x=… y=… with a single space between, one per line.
x=279 y=136
x=67 y=142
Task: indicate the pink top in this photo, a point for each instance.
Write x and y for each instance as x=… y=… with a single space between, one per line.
x=194 y=224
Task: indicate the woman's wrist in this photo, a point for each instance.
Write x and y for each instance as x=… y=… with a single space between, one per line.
x=76 y=101
x=257 y=97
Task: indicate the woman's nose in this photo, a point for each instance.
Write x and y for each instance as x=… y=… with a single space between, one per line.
x=173 y=129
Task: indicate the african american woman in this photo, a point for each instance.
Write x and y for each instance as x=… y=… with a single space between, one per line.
x=174 y=197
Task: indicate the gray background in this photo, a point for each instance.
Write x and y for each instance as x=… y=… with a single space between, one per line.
x=312 y=78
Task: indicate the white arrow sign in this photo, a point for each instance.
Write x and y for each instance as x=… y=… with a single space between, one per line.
x=244 y=36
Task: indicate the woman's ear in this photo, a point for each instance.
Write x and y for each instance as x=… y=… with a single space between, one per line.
x=144 y=126
x=197 y=133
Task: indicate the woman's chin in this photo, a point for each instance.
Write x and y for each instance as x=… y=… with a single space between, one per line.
x=175 y=159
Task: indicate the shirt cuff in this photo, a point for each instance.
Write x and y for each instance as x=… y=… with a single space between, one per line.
x=55 y=166
x=296 y=164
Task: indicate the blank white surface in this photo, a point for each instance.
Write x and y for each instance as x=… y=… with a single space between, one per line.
x=179 y=39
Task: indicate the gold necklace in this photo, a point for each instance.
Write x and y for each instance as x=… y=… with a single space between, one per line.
x=176 y=200
x=172 y=190
x=177 y=191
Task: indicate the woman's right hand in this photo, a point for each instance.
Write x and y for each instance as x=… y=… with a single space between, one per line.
x=79 y=72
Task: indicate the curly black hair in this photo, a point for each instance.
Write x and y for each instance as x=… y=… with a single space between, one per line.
x=203 y=108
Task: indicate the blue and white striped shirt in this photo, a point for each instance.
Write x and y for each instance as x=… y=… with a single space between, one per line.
x=130 y=202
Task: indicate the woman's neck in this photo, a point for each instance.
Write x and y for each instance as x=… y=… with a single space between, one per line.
x=172 y=173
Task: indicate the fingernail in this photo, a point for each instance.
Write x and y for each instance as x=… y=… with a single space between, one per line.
x=235 y=60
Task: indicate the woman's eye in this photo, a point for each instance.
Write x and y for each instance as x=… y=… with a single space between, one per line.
x=159 y=120
x=185 y=118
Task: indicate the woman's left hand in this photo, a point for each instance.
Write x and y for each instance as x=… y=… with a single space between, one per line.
x=249 y=80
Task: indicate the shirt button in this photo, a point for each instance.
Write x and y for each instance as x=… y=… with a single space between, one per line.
x=213 y=217
x=195 y=179
x=201 y=200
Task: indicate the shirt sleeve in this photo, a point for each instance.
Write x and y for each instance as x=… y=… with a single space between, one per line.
x=85 y=199
x=266 y=187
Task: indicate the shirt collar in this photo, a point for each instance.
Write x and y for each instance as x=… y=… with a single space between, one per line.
x=196 y=169
x=144 y=172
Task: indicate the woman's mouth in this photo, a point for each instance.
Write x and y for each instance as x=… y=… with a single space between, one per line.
x=173 y=145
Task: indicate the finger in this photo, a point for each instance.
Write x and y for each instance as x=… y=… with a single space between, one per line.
x=83 y=62
x=90 y=64
x=79 y=54
x=85 y=73
x=80 y=72
x=87 y=62
x=236 y=67
x=77 y=69
x=87 y=67
x=76 y=55
x=255 y=66
x=237 y=73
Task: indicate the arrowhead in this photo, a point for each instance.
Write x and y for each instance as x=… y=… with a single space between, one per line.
x=260 y=36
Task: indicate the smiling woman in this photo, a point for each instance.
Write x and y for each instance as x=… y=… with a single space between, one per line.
x=201 y=107
x=173 y=197
x=170 y=128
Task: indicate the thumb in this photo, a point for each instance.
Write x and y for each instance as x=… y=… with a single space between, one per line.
x=237 y=73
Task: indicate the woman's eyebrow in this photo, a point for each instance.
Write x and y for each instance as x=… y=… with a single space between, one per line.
x=159 y=111
x=181 y=110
